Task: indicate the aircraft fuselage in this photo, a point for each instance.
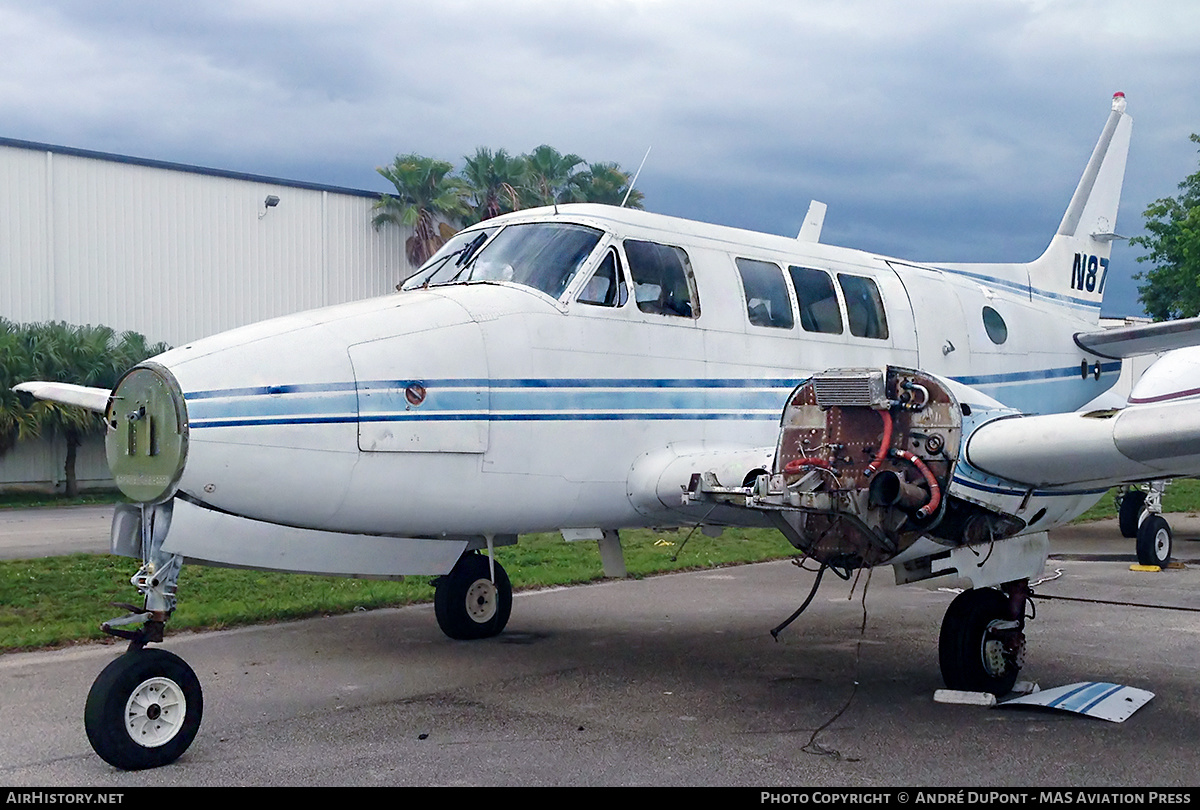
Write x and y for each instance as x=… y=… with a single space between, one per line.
x=492 y=407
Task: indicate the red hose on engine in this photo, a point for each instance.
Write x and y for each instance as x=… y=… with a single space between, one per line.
x=798 y=464
x=884 y=444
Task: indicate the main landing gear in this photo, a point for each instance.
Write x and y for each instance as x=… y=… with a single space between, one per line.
x=471 y=602
x=982 y=644
x=1139 y=513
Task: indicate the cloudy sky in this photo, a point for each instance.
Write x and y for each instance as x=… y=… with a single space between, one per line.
x=934 y=129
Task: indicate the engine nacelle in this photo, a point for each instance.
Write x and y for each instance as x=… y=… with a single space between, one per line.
x=863 y=469
x=1175 y=375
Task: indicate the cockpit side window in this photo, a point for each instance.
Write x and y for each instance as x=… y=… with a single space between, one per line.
x=767 y=301
x=542 y=255
x=606 y=287
x=818 y=300
x=662 y=279
x=864 y=307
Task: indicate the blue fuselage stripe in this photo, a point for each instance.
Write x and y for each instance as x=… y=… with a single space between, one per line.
x=527 y=399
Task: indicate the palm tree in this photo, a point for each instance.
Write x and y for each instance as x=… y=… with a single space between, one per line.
x=83 y=355
x=58 y=352
x=552 y=177
x=606 y=183
x=132 y=349
x=427 y=198
x=17 y=422
x=493 y=179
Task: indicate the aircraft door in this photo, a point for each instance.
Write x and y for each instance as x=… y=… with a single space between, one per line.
x=943 y=344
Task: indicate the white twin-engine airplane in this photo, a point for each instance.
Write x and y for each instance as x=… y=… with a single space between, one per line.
x=587 y=369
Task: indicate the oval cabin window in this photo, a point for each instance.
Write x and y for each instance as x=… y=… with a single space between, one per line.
x=997 y=330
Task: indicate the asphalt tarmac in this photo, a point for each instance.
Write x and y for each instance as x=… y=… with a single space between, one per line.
x=667 y=681
x=42 y=532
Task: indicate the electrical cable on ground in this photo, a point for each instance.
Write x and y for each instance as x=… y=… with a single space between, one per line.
x=816 y=584
x=1179 y=608
x=679 y=551
x=812 y=746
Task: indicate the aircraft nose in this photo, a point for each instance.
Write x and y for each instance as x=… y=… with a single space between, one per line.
x=147 y=438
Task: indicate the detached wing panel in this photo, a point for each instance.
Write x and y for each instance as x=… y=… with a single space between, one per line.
x=94 y=399
x=1100 y=448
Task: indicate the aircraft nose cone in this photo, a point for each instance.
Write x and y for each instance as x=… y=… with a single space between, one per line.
x=147 y=438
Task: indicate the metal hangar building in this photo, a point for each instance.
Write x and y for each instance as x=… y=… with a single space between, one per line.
x=173 y=251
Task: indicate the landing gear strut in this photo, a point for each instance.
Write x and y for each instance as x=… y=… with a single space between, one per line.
x=982 y=643
x=470 y=602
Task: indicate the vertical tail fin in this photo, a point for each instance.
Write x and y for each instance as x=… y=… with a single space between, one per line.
x=1074 y=268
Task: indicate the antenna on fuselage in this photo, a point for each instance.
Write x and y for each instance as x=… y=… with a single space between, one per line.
x=635 y=176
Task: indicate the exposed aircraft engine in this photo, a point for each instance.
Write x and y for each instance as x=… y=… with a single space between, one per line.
x=862 y=468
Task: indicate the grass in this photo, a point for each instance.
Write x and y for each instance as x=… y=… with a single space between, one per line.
x=57 y=601
x=25 y=500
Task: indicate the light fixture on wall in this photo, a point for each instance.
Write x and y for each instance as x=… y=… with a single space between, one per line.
x=270 y=202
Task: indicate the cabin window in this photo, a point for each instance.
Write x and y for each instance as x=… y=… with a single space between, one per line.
x=767 y=302
x=818 y=300
x=864 y=307
x=662 y=279
x=997 y=329
x=445 y=265
x=606 y=287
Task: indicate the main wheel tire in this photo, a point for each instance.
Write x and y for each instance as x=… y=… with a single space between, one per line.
x=1154 y=541
x=468 y=604
x=143 y=710
x=972 y=659
x=1132 y=503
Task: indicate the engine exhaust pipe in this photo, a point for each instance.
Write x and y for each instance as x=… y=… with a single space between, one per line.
x=889 y=489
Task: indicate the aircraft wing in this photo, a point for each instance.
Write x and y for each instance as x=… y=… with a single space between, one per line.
x=1150 y=338
x=94 y=399
x=1096 y=448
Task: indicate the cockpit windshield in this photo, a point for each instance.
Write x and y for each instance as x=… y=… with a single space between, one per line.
x=448 y=262
x=542 y=255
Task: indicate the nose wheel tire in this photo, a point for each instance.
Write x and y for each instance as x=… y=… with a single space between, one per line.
x=971 y=649
x=143 y=710
x=1154 y=541
x=468 y=603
